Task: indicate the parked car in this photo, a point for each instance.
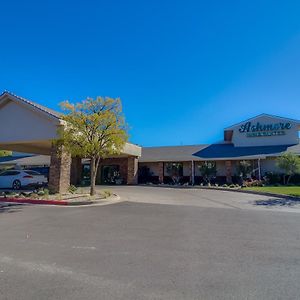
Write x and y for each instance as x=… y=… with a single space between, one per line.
x=16 y=179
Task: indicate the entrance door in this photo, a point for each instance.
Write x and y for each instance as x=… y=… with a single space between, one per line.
x=109 y=174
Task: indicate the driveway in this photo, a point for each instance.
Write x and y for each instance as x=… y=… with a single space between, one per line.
x=133 y=250
x=198 y=197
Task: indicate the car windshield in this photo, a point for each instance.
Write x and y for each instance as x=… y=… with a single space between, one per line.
x=32 y=172
x=10 y=173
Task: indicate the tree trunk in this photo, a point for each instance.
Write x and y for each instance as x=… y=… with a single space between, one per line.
x=93 y=176
x=288 y=180
x=95 y=161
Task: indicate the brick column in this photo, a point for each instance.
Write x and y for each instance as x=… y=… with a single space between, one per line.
x=76 y=170
x=60 y=170
x=132 y=170
x=161 y=172
x=228 y=169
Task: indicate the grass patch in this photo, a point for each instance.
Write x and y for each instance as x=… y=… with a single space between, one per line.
x=284 y=190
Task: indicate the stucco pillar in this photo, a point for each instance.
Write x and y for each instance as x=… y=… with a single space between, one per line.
x=76 y=170
x=132 y=170
x=161 y=172
x=192 y=177
x=228 y=171
x=60 y=170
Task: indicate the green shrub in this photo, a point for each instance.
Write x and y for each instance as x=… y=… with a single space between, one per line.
x=72 y=189
x=12 y=194
x=107 y=193
x=46 y=192
x=208 y=170
x=290 y=164
x=244 y=168
x=272 y=178
x=26 y=194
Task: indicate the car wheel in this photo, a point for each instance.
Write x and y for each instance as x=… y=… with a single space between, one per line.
x=16 y=185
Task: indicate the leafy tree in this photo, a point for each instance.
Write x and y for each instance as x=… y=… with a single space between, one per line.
x=94 y=129
x=244 y=168
x=290 y=164
x=5 y=153
x=175 y=170
x=208 y=170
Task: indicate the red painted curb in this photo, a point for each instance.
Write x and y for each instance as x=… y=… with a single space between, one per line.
x=34 y=201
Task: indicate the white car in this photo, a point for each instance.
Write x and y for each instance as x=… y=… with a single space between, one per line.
x=16 y=179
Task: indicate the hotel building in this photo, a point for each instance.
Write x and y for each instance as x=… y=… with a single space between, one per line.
x=30 y=128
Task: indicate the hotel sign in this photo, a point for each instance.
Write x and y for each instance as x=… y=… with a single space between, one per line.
x=261 y=130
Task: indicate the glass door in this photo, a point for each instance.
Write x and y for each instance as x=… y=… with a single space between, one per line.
x=109 y=174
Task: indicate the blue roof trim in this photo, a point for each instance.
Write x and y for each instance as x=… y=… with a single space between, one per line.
x=230 y=151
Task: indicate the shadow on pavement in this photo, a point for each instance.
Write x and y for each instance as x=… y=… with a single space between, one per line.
x=278 y=202
x=10 y=208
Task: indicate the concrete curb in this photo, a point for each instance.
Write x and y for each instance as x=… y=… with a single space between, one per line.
x=108 y=201
x=238 y=190
x=33 y=201
x=112 y=198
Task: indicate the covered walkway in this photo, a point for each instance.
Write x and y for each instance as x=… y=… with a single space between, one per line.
x=31 y=128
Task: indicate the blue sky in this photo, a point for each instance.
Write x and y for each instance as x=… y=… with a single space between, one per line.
x=183 y=69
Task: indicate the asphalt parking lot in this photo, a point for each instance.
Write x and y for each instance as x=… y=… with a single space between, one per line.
x=157 y=244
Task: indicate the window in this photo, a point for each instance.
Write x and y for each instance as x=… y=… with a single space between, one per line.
x=34 y=173
x=10 y=173
x=13 y=173
x=174 y=169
